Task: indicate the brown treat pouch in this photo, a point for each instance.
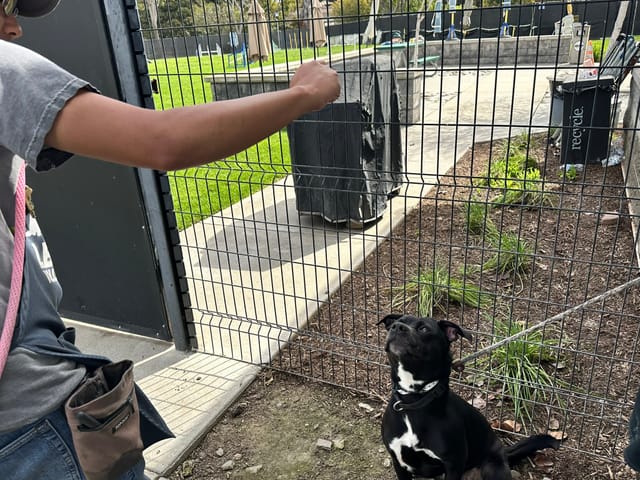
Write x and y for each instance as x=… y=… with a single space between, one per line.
x=105 y=422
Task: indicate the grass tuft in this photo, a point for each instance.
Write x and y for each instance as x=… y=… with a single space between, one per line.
x=519 y=366
x=476 y=218
x=514 y=255
x=433 y=289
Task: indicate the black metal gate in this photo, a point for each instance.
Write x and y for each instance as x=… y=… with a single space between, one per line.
x=106 y=224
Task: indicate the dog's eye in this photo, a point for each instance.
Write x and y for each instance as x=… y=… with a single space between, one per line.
x=422 y=328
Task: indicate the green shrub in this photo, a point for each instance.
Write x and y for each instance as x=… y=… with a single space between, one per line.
x=569 y=173
x=524 y=188
x=511 y=160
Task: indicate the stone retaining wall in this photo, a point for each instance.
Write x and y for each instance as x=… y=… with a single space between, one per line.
x=535 y=50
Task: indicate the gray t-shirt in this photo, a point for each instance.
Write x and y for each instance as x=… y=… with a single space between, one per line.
x=32 y=93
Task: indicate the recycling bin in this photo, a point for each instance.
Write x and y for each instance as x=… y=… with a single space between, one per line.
x=586 y=120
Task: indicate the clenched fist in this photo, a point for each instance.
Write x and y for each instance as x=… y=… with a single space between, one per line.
x=319 y=82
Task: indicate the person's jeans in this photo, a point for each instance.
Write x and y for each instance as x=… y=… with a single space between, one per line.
x=44 y=451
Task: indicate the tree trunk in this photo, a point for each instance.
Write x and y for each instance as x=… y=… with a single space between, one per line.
x=370 y=31
x=419 y=19
x=466 y=17
x=617 y=27
x=152 y=9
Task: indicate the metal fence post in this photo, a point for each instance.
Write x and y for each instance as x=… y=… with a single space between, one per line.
x=123 y=24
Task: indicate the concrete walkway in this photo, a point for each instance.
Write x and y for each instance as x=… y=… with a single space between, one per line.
x=280 y=267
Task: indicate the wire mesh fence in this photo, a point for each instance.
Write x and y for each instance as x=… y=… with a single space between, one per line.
x=479 y=166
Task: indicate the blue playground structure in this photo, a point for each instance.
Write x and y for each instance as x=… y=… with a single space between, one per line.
x=452 y=28
x=504 y=29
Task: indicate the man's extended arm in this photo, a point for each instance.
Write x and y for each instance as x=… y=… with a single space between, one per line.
x=107 y=129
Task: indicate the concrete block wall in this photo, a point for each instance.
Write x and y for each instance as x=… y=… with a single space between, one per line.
x=236 y=85
x=229 y=86
x=534 y=50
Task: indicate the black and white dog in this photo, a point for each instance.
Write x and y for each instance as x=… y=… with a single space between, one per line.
x=428 y=430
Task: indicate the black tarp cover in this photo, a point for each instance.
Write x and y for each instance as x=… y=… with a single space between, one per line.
x=347 y=158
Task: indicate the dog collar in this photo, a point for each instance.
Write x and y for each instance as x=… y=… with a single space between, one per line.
x=428 y=393
x=429 y=386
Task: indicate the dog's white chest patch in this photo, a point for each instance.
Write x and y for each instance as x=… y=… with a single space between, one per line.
x=409 y=440
x=406 y=380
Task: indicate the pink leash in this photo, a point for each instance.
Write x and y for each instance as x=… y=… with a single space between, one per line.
x=16 y=271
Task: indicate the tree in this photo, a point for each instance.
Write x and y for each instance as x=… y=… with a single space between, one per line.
x=152 y=9
x=182 y=18
x=350 y=8
x=617 y=28
x=362 y=8
x=173 y=18
x=498 y=3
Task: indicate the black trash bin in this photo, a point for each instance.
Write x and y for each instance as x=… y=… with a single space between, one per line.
x=327 y=170
x=347 y=158
x=586 y=120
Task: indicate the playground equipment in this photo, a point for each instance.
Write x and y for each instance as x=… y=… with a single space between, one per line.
x=540 y=7
x=238 y=49
x=452 y=28
x=504 y=29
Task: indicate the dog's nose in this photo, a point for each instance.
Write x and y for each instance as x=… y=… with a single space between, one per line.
x=400 y=327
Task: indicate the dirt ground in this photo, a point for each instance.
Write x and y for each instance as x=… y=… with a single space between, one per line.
x=275 y=428
x=288 y=427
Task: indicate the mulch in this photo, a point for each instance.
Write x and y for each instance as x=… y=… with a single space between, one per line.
x=582 y=246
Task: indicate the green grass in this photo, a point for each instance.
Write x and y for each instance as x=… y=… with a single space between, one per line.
x=518 y=366
x=512 y=255
x=202 y=191
x=600 y=48
x=434 y=288
x=181 y=81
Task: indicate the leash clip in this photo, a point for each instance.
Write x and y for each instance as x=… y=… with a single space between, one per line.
x=397 y=407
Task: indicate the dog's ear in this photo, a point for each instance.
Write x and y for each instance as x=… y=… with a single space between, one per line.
x=453 y=331
x=389 y=319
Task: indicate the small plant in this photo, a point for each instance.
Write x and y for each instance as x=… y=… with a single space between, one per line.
x=498 y=172
x=513 y=256
x=569 y=172
x=515 y=173
x=506 y=167
x=433 y=288
x=521 y=142
x=476 y=218
x=507 y=147
x=519 y=366
x=524 y=188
